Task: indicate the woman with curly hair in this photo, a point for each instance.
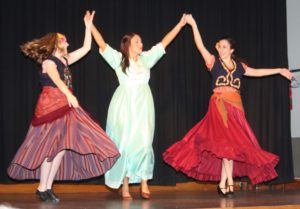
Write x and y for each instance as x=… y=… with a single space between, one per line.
x=63 y=142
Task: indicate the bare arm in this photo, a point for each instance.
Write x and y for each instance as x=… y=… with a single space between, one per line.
x=79 y=53
x=173 y=33
x=207 y=56
x=98 y=38
x=50 y=68
x=265 y=72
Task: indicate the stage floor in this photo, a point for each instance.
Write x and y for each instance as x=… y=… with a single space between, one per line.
x=159 y=200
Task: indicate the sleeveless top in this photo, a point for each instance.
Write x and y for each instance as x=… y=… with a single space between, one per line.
x=221 y=76
x=63 y=70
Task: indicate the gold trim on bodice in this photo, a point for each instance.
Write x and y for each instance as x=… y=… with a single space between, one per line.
x=228 y=79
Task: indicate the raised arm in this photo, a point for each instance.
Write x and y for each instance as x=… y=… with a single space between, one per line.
x=207 y=56
x=173 y=33
x=50 y=68
x=98 y=38
x=79 y=53
x=265 y=72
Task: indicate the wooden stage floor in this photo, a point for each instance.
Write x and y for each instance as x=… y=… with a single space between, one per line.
x=265 y=199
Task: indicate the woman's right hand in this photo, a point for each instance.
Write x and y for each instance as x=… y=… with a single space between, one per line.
x=72 y=100
x=88 y=19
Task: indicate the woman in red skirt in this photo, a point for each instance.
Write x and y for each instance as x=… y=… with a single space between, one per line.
x=222 y=145
x=63 y=142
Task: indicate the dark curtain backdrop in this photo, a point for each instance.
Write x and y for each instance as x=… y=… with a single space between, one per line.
x=179 y=81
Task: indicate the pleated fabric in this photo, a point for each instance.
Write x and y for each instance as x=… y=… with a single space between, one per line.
x=89 y=151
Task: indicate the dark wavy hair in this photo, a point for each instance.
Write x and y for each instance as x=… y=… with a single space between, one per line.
x=232 y=45
x=39 y=49
x=229 y=40
x=124 y=48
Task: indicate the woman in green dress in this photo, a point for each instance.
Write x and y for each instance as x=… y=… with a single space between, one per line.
x=130 y=120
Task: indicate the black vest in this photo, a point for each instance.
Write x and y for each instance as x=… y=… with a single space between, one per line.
x=63 y=70
x=223 y=77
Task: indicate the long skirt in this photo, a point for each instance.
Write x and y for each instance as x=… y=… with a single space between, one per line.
x=130 y=124
x=56 y=127
x=223 y=133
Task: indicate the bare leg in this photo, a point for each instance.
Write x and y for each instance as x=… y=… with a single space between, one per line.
x=230 y=180
x=144 y=187
x=125 y=189
x=229 y=169
x=145 y=193
x=223 y=180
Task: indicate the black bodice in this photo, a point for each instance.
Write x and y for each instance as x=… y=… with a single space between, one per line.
x=63 y=71
x=222 y=76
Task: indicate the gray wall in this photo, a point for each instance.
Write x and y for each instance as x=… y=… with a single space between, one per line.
x=296 y=157
x=293 y=30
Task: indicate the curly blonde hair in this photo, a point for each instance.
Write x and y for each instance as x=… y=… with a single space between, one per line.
x=39 y=49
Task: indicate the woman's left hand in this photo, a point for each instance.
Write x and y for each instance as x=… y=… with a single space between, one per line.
x=286 y=73
x=88 y=19
x=182 y=21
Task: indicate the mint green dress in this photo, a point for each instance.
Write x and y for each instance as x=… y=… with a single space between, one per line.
x=130 y=120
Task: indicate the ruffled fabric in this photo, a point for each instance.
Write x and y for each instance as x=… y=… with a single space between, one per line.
x=199 y=154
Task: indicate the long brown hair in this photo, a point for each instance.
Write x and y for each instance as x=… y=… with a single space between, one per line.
x=124 y=48
x=39 y=49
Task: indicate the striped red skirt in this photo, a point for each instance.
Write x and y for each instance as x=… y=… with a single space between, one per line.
x=56 y=127
x=222 y=133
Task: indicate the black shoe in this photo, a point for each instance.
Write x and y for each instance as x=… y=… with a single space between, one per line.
x=230 y=193
x=220 y=192
x=52 y=196
x=44 y=196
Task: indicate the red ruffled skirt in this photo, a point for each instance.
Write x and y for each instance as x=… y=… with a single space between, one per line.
x=56 y=127
x=222 y=133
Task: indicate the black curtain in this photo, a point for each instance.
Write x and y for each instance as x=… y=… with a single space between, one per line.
x=179 y=82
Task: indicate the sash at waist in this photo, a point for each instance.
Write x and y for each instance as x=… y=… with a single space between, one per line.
x=232 y=98
x=52 y=104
